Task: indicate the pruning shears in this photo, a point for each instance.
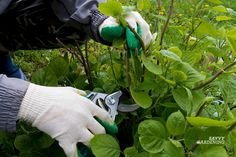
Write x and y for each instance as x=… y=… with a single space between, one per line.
x=112 y=103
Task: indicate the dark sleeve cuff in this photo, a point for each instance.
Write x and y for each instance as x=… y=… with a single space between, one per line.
x=96 y=20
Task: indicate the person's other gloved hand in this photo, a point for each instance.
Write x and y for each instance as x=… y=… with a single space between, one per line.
x=64 y=114
x=110 y=30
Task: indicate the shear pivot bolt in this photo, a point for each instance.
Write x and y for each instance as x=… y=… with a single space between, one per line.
x=111 y=100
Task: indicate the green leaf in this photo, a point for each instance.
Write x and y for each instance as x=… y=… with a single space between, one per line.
x=92 y=58
x=175 y=123
x=203 y=121
x=231 y=38
x=143 y=154
x=198 y=99
x=45 y=76
x=111 y=8
x=105 y=145
x=143 y=4
x=192 y=135
x=223 y=18
x=193 y=76
x=176 y=50
x=24 y=143
x=228 y=88
x=170 y=150
x=153 y=68
x=170 y=55
x=179 y=76
x=215 y=1
x=141 y=98
x=182 y=98
x=206 y=28
x=152 y=136
x=130 y=152
x=59 y=66
x=220 y=9
x=216 y=151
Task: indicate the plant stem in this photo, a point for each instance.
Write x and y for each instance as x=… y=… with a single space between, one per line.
x=127 y=66
x=216 y=75
x=194 y=147
x=70 y=51
x=167 y=22
x=200 y=109
x=112 y=68
x=137 y=36
x=90 y=79
x=232 y=127
x=189 y=35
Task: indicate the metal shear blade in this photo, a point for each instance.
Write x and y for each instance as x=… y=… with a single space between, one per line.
x=111 y=103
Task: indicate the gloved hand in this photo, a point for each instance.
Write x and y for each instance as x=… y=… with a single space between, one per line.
x=110 y=30
x=64 y=114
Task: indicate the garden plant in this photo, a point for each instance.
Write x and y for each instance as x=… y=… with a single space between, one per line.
x=184 y=83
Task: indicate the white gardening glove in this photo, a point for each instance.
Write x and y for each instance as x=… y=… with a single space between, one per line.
x=110 y=30
x=64 y=114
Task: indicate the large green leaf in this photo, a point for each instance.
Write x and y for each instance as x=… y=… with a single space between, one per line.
x=141 y=98
x=193 y=75
x=216 y=151
x=170 y=150
x=182 y=98
x=152 y=136
x=105 y=145
x=111 y=8
x=206 y=28
x=175 y=123
x=203 y=121
x=153 y=68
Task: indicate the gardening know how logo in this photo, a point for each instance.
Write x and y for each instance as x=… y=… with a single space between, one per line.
x=213 y=140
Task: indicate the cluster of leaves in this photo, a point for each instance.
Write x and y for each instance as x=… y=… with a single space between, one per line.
x=185 y=85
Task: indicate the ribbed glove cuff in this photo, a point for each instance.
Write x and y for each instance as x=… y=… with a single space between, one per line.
x=34 y=103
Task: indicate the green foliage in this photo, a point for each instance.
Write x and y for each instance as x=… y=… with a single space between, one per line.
x=111 y=8
x=141 y=98
x=143 y=4
x=202 y=121
x=175 y=123
x=105 y=145
x=152 y=136
x=177 y=84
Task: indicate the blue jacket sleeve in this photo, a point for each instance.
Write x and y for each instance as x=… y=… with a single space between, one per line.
x=81 y=14
x=12 y=92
